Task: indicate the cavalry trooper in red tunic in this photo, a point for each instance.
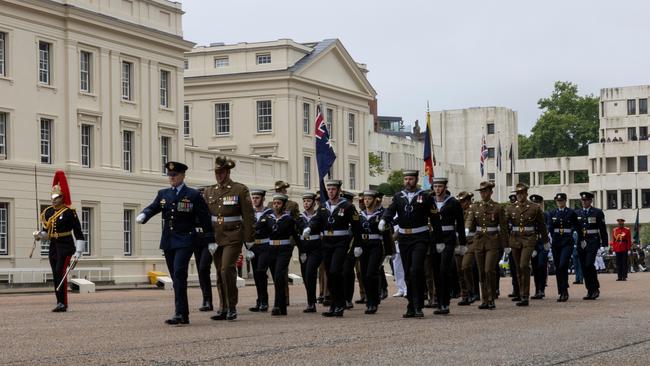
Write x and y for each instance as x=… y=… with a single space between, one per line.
x=60 y=223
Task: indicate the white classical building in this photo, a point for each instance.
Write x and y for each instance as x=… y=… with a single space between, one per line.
x=94 y=88
x=256 y=102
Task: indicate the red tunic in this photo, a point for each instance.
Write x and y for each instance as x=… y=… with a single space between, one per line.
x=622 y=239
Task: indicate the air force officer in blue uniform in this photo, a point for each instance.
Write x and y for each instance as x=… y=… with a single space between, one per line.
x=182 y=207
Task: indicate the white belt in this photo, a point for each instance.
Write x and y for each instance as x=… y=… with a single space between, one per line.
x=336 y=233
x=370 y=236
x=222 y=219
x=312 y=237
x=448 y=228
x=414 y=230
x=470 y=234
x=262 y=241
x=523 y=229
x=489 y=229
x=593 y=231
x=280 y=242
x=562 y=231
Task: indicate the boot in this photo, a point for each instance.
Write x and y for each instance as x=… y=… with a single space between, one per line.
x=311 y=308
x=464 y=302
x=278 y=311
x=349 y=305
x=484 y=306
x=443 y=310
x=232 y=314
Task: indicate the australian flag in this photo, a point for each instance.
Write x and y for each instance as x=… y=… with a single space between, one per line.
x=325 y=155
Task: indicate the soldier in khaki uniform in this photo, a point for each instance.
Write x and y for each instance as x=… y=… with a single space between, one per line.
x=233 y=220
x=527 y=224
x=465 y=262
x=488 y=220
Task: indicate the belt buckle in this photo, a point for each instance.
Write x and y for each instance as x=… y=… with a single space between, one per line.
x=484 y=229
x=364 y=236
x=275 y=242
x=522 y=229
x=219 y=219
x=408 y=231
x=561 y=231
x=330 y=232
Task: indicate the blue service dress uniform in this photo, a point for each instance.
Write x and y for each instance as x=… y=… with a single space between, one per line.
x=592 y=234
x=372 y=243
x=180 y=208
x=562 y=223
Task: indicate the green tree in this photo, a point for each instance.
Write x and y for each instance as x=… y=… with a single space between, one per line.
x=386 y=189
x=644 y=234
x=396 y=180
x=568 y=124
x=375 y=164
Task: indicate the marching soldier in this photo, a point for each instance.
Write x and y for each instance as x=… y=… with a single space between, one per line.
x=592 y=234
x=258 y=253
x=338 y=221
x=294 y=210
x=539 y=260
x=453 y=235
x=370 y=249
x=351 y=266
x=527 y=225
x=622 y=247
x=203 y=261
x=562 y=223
x=389 y=248
x=280 y=227
x=512 y=199
x=233 y=219
x=311 y=255
x=415 y=210
x=468 y=291
x=60 y=223
x=181 y=207
x=488 y=220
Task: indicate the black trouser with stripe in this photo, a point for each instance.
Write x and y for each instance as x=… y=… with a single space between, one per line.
x=59 y=256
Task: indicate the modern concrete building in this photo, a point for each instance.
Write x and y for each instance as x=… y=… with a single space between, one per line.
x=256 y=102
x=94 y=88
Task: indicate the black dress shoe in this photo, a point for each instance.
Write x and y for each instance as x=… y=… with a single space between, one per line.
x=491 y=305
x=349 y=305
x=207 y=306
x=418 y=313
x=484 y=306
x=178 y=319
x=443 y=310
x=522 y=302
x=512 y=295
x=338 y=312
x=60 y=308
x=410 y=313
x=255 y=308
x=311 y=308
x=264 y=307
x=473 y=299
x=220 y=315
x=232 y=314
x=278 y=311
x=590 y=296
x=516 y=298
x=361 y=301
x=327 y=302
x=328 y=313
x=371 y=309
x=319 y=300
x=596 y=294
x=464 y=302
x=538 y=296
x=384 y=294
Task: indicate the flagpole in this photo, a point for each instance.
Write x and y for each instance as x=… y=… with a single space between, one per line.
x=498 y=165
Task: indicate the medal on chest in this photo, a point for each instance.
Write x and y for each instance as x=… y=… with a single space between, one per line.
x=230 y=200
x=185 y=205
x=342 y=212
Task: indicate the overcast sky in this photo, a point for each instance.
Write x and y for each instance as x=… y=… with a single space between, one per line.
x=455 y=54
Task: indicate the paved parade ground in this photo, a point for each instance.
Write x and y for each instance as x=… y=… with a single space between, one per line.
x=126 y=327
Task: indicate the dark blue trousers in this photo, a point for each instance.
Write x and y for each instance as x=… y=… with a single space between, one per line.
x=178 y=260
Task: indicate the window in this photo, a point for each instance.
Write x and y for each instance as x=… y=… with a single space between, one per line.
x=305 y=118
x=4 y=228
x=491 y=177
x=186 y=64
x=128 y=232
x=627 y=163
x=222 y=118
x=86 y=226
x=643 y=106
x=164 y=152
x=164 y=88
x=631 y=134
x=642 y=163
x=44 y=62
x=351 y=128
x=264 y=121
x=329 y=121
x=307 y=172
x=645 y=198
x=602 y=109
x=490 y=153
x=127 y=83
x=222 y=61
x=631 y=107
x=3 y=134
x=643 y=132
x=86 y=145
x=127 y=149
x=186 y=121
x=353 y=176
x=626 y=198
x=263 y=58
x=612 y=200
x=3 y=61
x=85 y=71
x=490 y=128
x=46 y=141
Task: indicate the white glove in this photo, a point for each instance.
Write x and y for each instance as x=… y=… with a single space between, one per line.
x=382 y=225
x=249 y=244
x=388 y=257
x=457 y=250
x=463 y=249
x=466 y=231
x=534 y=254
x=357 y=252
x=547 y=246
x=79 y=245
x=629 y=252
x=440 y=247
x=507 y=250
x=212 y=247
x=140 y=218
x=303 y=258
x=38 y=235
x=583 y=244
x=249 y=254
x=306 y=232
